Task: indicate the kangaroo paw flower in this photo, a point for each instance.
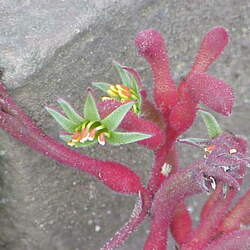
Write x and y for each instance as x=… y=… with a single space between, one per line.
x=86 y=131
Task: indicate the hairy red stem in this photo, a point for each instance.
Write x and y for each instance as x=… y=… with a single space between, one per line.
x=171 y=192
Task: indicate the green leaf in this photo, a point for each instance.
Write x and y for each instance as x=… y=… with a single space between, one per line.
x=90 y=109
x=69 y=111
x=124 y=75
x=198 y=142
x=117 y=138
x=135 y=87
x=212 y=125
x=102 y=86
x=64 y=122
x=113 y=120
x=134 y=83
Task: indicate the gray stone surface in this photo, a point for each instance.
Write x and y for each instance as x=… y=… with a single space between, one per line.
x=57 y=48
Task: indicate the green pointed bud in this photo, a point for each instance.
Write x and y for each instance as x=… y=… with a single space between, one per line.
x=69 y=111
x=197 y=142
x=124 y=75
x=64 y=122
x=90 y=110
x=102 y=86
x=113 y=120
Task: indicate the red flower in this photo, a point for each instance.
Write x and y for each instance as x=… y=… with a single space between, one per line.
x=179 y=105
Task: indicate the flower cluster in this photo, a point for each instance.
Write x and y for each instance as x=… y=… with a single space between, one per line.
x=156 y=125
x=89 y=129
x=125 y=92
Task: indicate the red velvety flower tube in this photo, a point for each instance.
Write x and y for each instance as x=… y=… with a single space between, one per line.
x=151 y=45
x=211 y=47
x=212 y=92
x=181 y=224
x=119 y=178
x=171 y=192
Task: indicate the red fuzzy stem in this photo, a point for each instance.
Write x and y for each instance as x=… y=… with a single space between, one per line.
x=8 y=105
x=156 y=177
x=181 y=224
x=235 y=217
x=171 y=193
x=237 y=240
x=47 y=145
x=208 y=227
x=150 y=44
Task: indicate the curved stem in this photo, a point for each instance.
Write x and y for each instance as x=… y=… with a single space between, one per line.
x=172 y=191
x=156 y=177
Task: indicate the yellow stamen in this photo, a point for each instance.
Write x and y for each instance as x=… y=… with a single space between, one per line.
x=209 y=148
x=71 y=143
x=84 y=135
x=122 y=87
x=124 y=94
x=101 y=139
x=112 y=93
x=92 y=134
x=76 y=137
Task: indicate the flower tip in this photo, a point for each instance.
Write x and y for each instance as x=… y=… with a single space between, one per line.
x=228 y=106
x=50 y=108
x=89 y=90
x=148 y=42
x=217 y=39
x=114 y=62
x=60 y=100
x=220 y=31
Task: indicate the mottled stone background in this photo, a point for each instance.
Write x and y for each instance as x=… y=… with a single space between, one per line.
x=57 y=48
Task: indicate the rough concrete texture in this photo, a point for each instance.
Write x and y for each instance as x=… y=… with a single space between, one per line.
x=57 y=48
